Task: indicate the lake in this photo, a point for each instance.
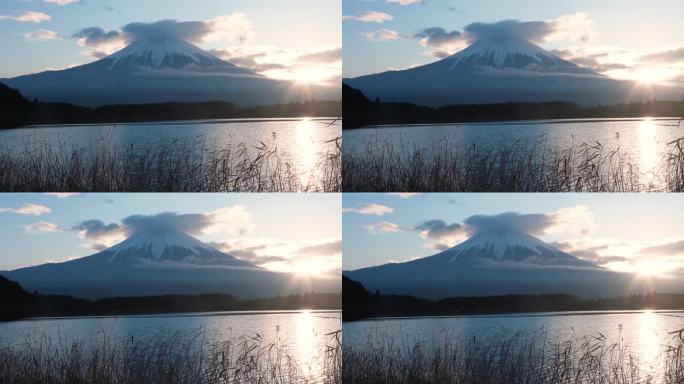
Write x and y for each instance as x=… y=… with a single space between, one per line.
x=647 y=332
x=305 y=333
x=644 y=139
x=304 y=141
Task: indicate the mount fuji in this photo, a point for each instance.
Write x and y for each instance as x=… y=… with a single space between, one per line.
x=498 y=263
x=158 y=263
x=499 y=70
x=154 y=70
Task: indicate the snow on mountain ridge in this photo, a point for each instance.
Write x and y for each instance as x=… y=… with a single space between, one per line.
x=166 y=246
x=512 y=53
x=512 y=246
x=169 y=54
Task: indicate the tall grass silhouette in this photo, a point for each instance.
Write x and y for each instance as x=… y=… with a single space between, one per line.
x=174 y=358
x=171 y=166
x=522 y=358
x=519 y=166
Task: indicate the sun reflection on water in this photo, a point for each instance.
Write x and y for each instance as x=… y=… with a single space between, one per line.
x=648 y=145
x=306 y=149
x=306 y=343
x=650 y=348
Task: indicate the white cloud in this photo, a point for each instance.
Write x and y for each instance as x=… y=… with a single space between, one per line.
x=28 y=17
x=404 y=195
x=235 y=28
x=320 y=258
x=319 y=65
x=371 y=17
x=41 y=35
x=234 y=220
x=571 y=220
x=42 y=227
x=576 y=27
x=28 y=209
x=383 y=35
x=441 y=231
x=371 y=209
x=404 y=2
x=383 y=227
x=61 y=2
x=62 y=195
x=663 y=257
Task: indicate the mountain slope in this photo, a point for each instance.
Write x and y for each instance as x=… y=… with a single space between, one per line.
x=160 y=263
x=499 y=71
x=169 y=54
x=160 y=70
x=497 y=263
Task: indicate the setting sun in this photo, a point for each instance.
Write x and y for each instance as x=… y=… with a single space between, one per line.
x=647 y=269
x=653 y=75
x=311 y=268
x=308 y=75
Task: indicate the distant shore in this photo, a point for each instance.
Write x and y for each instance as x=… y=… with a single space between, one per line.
x=360 y=304
x=527 y=122
x=361 y=112
x=18 y=304
x=17 y=111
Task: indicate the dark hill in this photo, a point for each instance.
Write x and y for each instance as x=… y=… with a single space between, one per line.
x=358 y=303
x=16 y=303
x=361 y=111
x=15 y=111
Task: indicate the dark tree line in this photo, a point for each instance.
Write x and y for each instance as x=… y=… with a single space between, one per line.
x=360 y=111
x=16 y=303
x=15 y=111
x=358 y=303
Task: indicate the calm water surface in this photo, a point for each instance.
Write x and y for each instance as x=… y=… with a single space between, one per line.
x=645 y=139
x=647 y=332
x=305 y=333
x=305 y=141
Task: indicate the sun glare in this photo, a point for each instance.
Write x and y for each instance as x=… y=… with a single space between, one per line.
x=648 y=269
x=311 y=75
x=304 y=76
x=653 y=75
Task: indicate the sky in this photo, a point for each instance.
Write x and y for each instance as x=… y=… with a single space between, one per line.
x=281 y=232
x=294 y=40
x=627 y=39
x=634 y=233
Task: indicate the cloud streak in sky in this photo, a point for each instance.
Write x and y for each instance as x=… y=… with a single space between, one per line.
x=370 y=17
x=28 y=17
x=383 y=227
x=404 y=2
x=28 y=209
x=370 y=209
x=42 y=227
x=41 y=35
x=61 y=2
x=383 y=35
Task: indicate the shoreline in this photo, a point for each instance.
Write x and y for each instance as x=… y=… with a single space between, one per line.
x=184 y=314
x=520 y=314
x=175 y=122
x=517 y=122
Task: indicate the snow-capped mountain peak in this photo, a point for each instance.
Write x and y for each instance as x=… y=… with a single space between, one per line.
x=167 y=53
x=171 y=248
x=511 y=54
x=512 y=246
